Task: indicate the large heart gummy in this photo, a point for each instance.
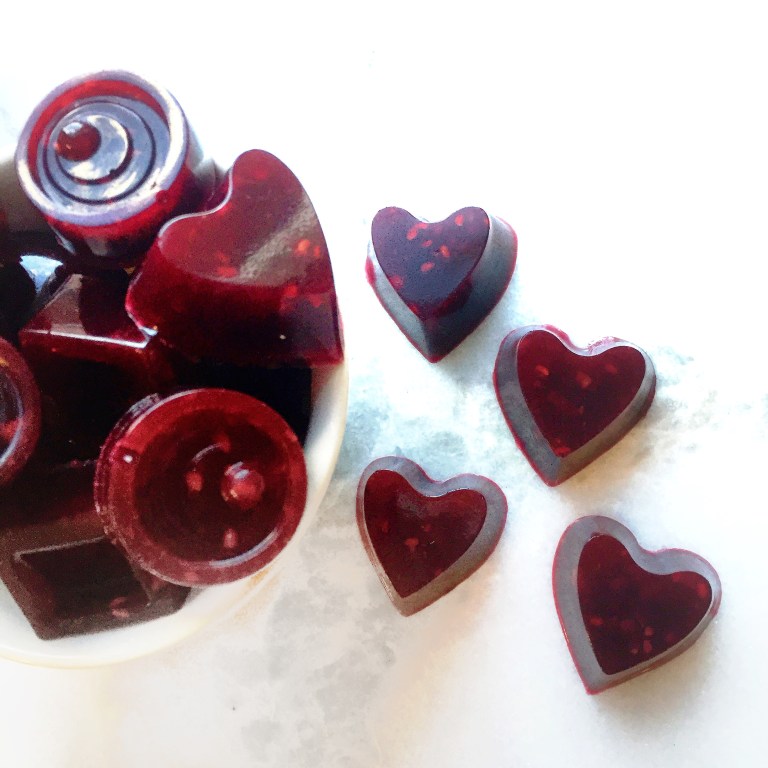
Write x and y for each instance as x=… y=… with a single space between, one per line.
x=566 y=405
x=438 y=281
x=426 y=537
x=248 y=282
x=625 y=610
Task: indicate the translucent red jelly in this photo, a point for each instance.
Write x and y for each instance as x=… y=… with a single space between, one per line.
x=439 y=280
x=91 y=363
x=625 y=610
x=632 y=615
x=249 y=282
x=567 y=405
x=201 y=487
x=205 y=486
x=107 y=159
x=415 y=548
x=20 y=416
x=424 y=538
x=59 y=565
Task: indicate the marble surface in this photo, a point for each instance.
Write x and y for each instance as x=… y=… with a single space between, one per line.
x=626 y=146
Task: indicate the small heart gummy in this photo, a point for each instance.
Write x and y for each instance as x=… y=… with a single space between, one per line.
x=439 y=280
x=248 y=282
x=425 y=537
x=625 y=610
x=567 y=405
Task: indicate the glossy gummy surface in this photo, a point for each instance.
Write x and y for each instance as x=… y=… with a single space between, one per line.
x=108 y=158
x=567 y=405
x=20 y=416
x=249 y=282
x=632 y=615
x=625 y=610
x=31 y=270
x=202 y=487
x=97 y=362
x=424 y=538
x=60 y=567
x=91 y=363
x=439 y=280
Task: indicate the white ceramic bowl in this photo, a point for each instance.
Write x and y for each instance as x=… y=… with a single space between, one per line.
x=321 y=450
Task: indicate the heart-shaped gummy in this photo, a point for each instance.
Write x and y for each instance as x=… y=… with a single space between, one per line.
x=625 y=610
x=248 y=282
x=567 y=405
x=439 y=280
x=426 y=537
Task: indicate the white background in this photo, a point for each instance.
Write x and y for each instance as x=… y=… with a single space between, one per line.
x=627 y=146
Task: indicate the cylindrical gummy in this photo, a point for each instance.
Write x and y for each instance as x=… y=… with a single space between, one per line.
x=19 y=412
x=201 y=487
x=108 y=158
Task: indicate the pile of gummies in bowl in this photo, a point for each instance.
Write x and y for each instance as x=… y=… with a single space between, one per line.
x=157 y=351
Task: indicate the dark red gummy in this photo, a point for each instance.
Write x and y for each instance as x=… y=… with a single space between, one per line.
x=424 y=537
x=567 y=405
x=624 y=610
x=108 y=158
x=19 y=413
x=59 y=565
x=573 y=398
x=428 y=263
x=439 y=280
x=248 y=283
x=31 y=270
x=632 y=615
x=91 y=363
x=416 y=538
x=202 y=487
